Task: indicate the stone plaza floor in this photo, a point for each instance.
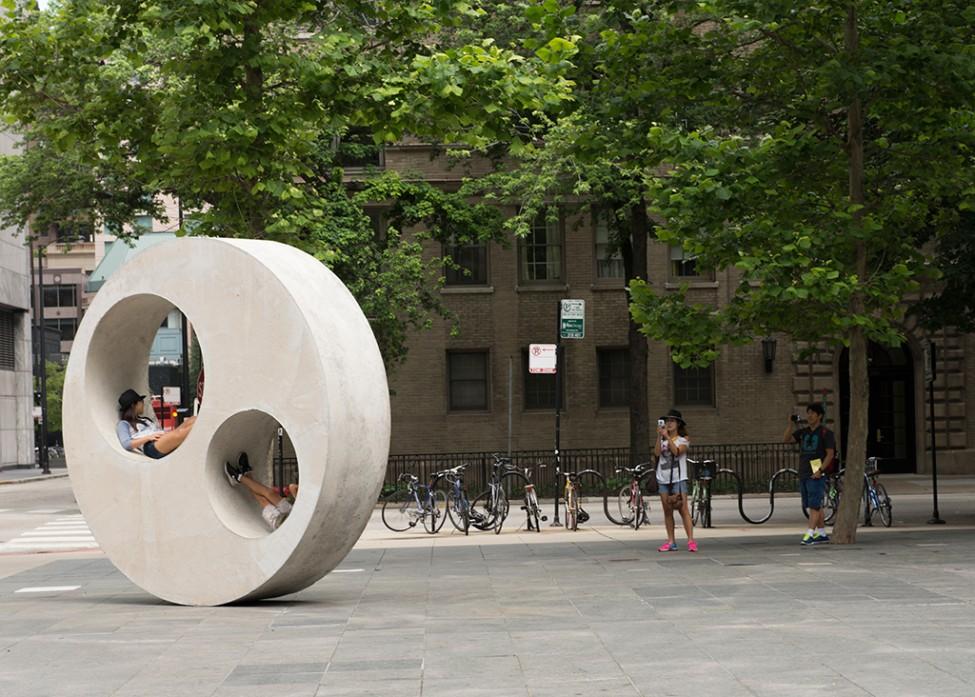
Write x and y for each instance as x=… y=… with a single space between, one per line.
x=598 y=612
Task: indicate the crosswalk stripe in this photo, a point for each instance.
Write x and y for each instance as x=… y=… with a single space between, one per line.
x=65 y=535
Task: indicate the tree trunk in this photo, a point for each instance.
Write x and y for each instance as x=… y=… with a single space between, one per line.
x=635 y=265
x=253 y=88
x=847 y=518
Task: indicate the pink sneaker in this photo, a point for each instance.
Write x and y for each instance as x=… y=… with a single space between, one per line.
x=691 y=546
x=667 y=547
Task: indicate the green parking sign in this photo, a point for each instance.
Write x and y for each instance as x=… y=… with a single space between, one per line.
x=572 y=319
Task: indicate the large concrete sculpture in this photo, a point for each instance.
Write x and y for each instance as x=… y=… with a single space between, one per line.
x=283 y=342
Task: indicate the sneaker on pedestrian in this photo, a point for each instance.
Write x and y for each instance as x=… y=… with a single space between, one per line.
x=691 y=546
x=233 y=474
x=243 y=464
x=667 y=547
x=807 y=539
x=820 y=538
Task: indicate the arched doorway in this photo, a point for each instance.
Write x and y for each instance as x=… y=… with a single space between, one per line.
x=891 y=428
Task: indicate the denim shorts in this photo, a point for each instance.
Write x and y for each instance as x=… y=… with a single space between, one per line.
x=675 y=488
x=812 y=491
x=150 y=450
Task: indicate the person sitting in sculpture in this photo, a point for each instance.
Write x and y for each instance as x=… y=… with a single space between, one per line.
x=274 y=507
x=141 y=434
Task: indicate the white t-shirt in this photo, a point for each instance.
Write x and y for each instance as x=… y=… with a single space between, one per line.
x=679 y=462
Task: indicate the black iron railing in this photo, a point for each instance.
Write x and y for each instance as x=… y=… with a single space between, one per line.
x=755 y=463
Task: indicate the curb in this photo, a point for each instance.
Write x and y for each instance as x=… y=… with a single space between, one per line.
x=38 y=478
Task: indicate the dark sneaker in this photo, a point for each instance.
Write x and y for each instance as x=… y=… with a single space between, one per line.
x=807 y=539
x=243 y=464
x=820 y=539
x=233 y=474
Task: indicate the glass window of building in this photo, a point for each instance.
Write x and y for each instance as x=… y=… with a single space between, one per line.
x=614 y=376
x=467 y=380
x=540 y=252
x=540 y=388
x=609 y=260
x=694 y=386
x=7 y=324
x=61 y=296
x=469 y=267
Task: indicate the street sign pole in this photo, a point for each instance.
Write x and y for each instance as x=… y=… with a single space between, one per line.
x=930 y=373
x=556 y=523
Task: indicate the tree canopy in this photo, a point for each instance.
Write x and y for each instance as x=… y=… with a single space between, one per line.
x=239 y=109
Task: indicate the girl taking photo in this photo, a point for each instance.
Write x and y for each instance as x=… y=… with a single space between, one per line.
x=671 y=453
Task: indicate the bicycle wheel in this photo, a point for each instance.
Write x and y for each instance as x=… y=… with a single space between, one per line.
x=435 y=512
x=571 y=509
x=885 y=510
x=482 y=516
x=531 y=510
x=399 y=512
x=831 y=502
x=590 y=488
x=697 y=509
x=501 y=505
x=638 y=510
x=618 y=508
x=706 y=505
x=458 y=509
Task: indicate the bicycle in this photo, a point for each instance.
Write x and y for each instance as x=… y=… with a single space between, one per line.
x=458 y=505
x=576 y=486
x=875 y=496
x=404 y=508
x=490 y=508
x=630 y=507
x=701 y=492
x=530 y=506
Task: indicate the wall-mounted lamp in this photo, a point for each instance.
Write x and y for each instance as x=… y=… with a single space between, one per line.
x=768 y=352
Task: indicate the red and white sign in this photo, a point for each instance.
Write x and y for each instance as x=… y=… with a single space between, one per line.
x=542 y=359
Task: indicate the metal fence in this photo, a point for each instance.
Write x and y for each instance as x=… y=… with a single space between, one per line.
x=755 y=463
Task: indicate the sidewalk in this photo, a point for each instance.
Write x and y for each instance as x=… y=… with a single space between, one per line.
x=593 y=613
x=16 y=475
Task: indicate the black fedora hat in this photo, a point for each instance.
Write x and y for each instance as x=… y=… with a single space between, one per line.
x=128 y=398
x=674 y=414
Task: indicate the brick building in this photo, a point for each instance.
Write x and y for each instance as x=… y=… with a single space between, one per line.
x=453 y=393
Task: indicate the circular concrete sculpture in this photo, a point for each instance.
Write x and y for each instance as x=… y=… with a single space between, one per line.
x=283 y=342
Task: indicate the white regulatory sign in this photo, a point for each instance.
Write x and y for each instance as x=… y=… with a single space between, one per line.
x=171 y=395
x=542 y=359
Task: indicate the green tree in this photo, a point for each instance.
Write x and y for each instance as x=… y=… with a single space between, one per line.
x=591 y=157
x=55 y=391
x=237 y=109
x=833 y=134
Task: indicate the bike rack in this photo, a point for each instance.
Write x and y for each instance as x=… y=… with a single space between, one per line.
x=740 y=487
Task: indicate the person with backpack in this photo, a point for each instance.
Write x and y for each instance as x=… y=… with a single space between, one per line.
x=671 y=452
x=817 y=448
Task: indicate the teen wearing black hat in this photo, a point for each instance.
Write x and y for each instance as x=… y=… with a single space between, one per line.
x=138 y=433
x=671 y=452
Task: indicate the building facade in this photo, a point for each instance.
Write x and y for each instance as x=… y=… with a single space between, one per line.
x=16 y=388
x=465 y=384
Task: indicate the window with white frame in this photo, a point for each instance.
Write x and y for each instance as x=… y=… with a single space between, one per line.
x=540 y=252
x=609 y=260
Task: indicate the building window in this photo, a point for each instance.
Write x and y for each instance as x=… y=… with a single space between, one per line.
x=7 y=325
x=609 y=260
x=142 y=224
x=66 y=325
x=469 y=266
x=60 y=296
x=694 y=386
x=75 y=232
x=357 y=150
x=683 y=265
x=467 y=379
x=540 y=252
x=540 y=388
x=614 y=377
